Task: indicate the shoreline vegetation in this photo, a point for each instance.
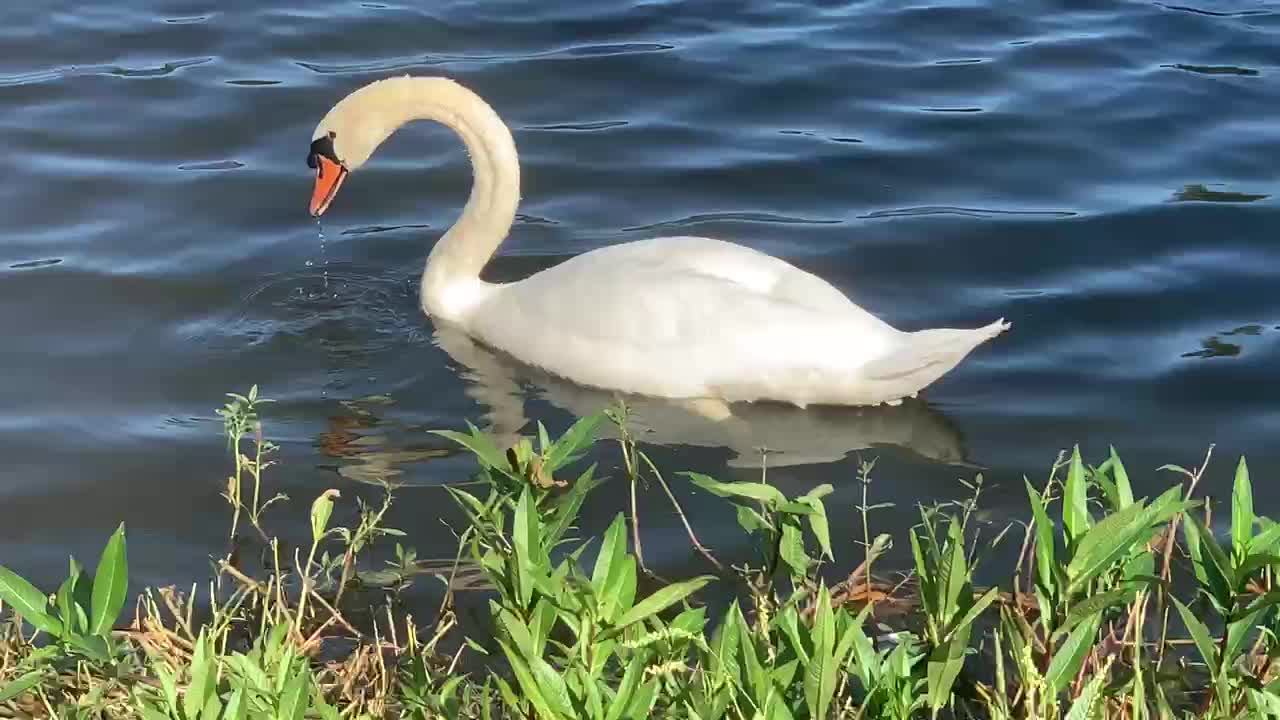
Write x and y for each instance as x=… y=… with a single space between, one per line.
x=1119 y=607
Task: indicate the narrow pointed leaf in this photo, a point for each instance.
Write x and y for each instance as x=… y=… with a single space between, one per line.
x=1242 y=511
x=752 y=490
x=1075 y=507
x=1200 y=635
x=1070 y=655
x=109 y=584
x=662 y=599
x=23 y=598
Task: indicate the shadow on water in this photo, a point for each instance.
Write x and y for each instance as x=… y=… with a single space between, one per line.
x=371 y=451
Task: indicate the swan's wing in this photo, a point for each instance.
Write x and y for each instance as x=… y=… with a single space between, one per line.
x=683 y=323
x=743 y=266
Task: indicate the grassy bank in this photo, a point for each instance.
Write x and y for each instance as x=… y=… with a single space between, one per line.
x=1118 y=607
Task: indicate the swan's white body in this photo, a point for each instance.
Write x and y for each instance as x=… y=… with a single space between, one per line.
x=675 y=317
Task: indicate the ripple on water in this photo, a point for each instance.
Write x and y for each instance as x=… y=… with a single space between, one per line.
x=749 y=217
x=1213 y=69
x=32 y=264
x=141 y=71
x=404 y=63
x=1201 y=193
x=966 y=212
x=216 y=165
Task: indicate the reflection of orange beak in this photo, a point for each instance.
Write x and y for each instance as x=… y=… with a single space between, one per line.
x=329 y=177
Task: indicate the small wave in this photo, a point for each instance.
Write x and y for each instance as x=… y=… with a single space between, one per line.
x=371 y=229
x=404 y=63
x=1200 y=193
x=587 y=127
x=534 y=220
x=966 y=212
x=1213 y=69
x=146 y=71
x=253 y=83
x=217 y=165
x=952 y=109
x=1211 y=13
x=730 y=217
x=32 y=264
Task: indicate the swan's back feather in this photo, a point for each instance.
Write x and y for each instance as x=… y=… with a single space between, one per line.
x=695 y=317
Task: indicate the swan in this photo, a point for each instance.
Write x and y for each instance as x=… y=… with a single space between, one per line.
x=670 y=317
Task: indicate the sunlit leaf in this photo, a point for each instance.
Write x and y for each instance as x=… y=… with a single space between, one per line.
x=27 y=601
x=109 y=584
x=662 y=599
x=751 y=490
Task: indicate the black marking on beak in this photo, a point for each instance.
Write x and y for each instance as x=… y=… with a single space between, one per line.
x=322 y=146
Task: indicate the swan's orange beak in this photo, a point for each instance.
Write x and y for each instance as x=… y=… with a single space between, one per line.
x=329 y=177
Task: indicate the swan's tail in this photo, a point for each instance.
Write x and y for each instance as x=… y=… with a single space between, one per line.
x=927 y=355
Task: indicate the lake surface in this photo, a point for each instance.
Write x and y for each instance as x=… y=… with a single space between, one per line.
x=1102 y=174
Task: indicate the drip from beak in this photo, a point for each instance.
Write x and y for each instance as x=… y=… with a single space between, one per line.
x=329 y=177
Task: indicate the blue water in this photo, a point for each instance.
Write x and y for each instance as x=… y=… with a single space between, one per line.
x=1101 y=174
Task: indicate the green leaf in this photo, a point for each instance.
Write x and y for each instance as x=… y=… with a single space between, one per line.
x=972 y=615
x=1237 y=633
x=662 y=599
x=237 y=706
x=1044 y=542
x=321 y=510
x=945 y=663
x=1091 y=606
x=532 y=689
x=74 y=618
x=791 y=548
x=27 y=601
x=750 y=520
x=789 y=621
x=609 y=560
x=1070 y=656
x=752 y=490
x=581 y=434
x=820 y=671
x=1213 y=566
x=293 y=702
x=1200 y=635
x=1241 y=511
x=1266 y=541
x=818 y=519
x=203 y=679
x=1084 y=707
x=518 y=633
x=955 y=571
x=481 y=445
x=568 y=506
x=1124 y=492
x=21 y=684
x=627 y=688
x=526 y=536
x=109 y=584
x=1075 y=500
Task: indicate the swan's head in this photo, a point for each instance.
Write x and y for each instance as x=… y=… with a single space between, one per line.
x=351 y=131
x=330 y=171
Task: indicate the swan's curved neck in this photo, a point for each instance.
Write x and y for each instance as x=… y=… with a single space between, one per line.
x=451 y=279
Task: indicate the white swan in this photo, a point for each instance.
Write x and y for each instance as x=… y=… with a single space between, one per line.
x=674 y=317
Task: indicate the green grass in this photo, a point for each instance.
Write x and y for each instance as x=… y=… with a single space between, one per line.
x=1118 y=607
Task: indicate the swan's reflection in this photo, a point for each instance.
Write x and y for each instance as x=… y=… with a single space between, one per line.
x=792 y=436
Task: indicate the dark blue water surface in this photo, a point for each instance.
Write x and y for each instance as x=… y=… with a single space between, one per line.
x=1103 y=174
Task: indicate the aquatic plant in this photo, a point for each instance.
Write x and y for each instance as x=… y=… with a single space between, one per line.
x=1119 y=607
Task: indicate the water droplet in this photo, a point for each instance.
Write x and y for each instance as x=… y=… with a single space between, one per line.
x=324 y=259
